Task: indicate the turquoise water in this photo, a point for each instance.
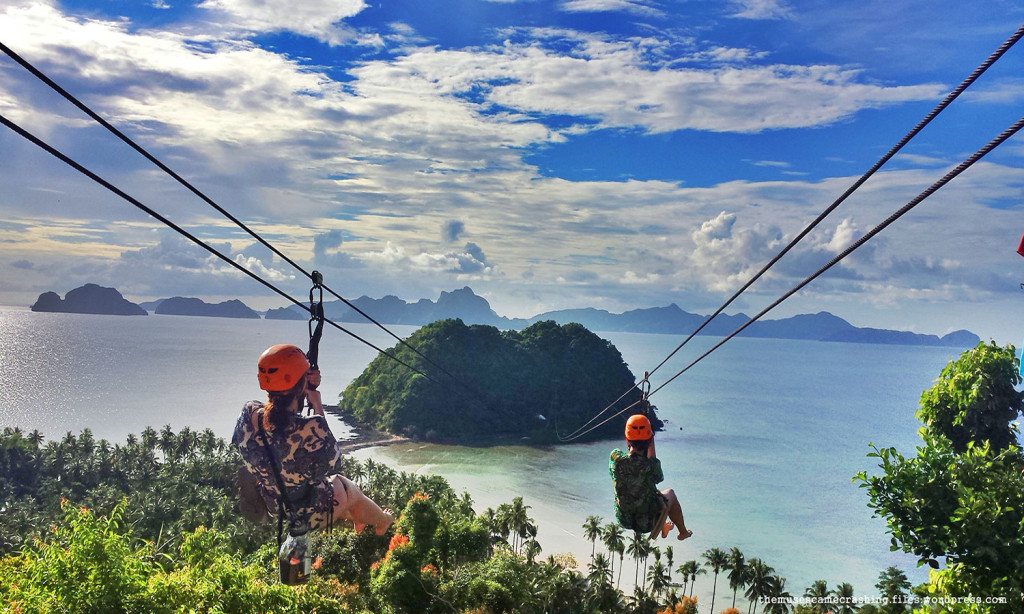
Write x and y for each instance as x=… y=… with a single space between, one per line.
x=761 y=439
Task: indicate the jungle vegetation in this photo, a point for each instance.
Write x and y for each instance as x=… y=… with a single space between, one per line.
x=535 y=384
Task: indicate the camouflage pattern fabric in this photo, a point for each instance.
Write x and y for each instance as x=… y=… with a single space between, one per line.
x=638 y=503
x=308 y=455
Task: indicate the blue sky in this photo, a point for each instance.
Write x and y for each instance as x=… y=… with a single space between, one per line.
x=606 y=153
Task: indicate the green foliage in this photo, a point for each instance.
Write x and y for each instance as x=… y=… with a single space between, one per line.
x=563 y=373
x=961 y=497
x=975 y=398
x=92 y=564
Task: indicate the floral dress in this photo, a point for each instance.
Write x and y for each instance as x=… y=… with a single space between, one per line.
x=638 y=503
x=308 y=456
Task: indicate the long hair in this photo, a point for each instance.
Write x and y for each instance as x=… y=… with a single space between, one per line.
x=640 y=446
x=275 y=413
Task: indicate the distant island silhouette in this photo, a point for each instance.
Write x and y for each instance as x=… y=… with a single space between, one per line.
x=89 y=298
x=466 y=305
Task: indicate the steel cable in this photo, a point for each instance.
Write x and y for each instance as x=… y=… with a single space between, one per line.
x=109 y=186
x=1013 y=129
x=188 y=185
x=945 y=102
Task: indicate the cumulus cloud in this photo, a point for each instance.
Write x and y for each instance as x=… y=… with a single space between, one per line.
x=451 y=230
x=471 y=261
x=176 y=255
x=319 y=19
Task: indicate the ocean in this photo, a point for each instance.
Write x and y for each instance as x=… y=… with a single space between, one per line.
x=761 y=439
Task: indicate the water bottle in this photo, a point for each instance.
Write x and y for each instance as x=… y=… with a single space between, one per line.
x=294 y=559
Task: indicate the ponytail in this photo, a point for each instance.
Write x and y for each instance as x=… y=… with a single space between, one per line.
x=275 y=413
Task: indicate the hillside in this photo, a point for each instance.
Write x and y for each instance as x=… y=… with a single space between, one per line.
x=535 y=384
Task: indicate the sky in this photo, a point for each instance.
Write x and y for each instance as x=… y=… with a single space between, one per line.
x=549 y=154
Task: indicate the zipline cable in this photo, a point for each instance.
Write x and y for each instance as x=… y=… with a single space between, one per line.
x=188 y=185
x=998 y=140
x=967 y=163
x=111 y=187
x=971 y=78
x=950 y=97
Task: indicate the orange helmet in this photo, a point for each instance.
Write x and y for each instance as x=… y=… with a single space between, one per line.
x=281 y=367
x=638 y=428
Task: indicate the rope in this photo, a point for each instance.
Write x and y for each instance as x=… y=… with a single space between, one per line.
x=109 y=186
x=184 y=182
x=998 y=53
x=998 y=140
x=953 y=95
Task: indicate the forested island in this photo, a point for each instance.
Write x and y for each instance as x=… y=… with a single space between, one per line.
x=538 y=385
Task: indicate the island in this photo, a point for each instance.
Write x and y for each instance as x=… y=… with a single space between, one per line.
x=285 y=313
x=89 y=298
x=181 y=306
x=536 y=386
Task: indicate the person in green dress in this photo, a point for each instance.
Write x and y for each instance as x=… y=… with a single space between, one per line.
x=639 y=505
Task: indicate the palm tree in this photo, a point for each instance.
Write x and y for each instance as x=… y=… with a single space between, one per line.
x=600 y=572
x=531 y=549
x=892 y=584
x=684 y=571
x=818 y=594
x=166 y=443
x=780 y=597
x=844 y=597
x=737 y=566
x=716 y=559
x=759 y=582
x=636 y=549
x=519 y=522
x=616 y=545
x=592 y=530
x=35 y=438
x=658 y=575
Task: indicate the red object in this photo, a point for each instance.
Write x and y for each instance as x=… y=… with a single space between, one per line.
x=281 y=366
x=1020 y=248
x=638 y=428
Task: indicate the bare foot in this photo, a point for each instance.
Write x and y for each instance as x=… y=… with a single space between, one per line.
x=665 y=530
x=684 y=535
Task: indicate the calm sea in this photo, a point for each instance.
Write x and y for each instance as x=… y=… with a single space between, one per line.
x=761 y=442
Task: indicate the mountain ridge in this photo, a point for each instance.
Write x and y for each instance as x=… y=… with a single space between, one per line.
x=468 y=306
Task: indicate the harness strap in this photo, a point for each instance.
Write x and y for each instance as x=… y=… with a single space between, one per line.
x=284 y=503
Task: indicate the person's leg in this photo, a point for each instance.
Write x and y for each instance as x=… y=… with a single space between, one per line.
x=352 y=504
x=675 y=512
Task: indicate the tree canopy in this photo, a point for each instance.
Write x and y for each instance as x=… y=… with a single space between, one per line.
x=960 y=499
x=536 y=383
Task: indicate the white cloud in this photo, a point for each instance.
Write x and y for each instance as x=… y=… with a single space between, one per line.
x=762 y=9
x=319 y=19
x=626 y=84
x=468 y=263
x=636 y=7
x=427 y=136
x=1007 y=90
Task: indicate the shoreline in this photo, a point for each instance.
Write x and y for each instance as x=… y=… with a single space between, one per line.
x=364 y=437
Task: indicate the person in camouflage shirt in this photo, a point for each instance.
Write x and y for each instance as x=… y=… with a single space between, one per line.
x=639 y=505
x=303 y=447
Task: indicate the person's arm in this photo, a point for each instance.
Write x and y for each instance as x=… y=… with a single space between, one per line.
x=650 y=449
